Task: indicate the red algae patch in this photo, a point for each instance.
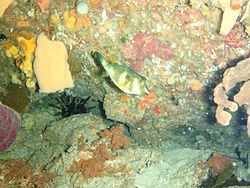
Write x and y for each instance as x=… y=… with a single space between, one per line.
x=19 y=174
x=93 y=163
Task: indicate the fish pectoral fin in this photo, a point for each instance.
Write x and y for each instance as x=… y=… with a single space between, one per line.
x=104 y=74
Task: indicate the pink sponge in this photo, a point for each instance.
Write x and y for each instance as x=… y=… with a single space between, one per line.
x=144 y=45
x=9 y=126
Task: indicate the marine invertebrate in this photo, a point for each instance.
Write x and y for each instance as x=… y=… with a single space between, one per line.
x=12 y=51
x=82 y=7
x=142 y=46
x=232 y=76
x=50 y=66
x=20 y=174
x=9 y=126
x=69 y=21
x=43 y=5
x=117 y=139
x=92 y=163
x=72 y=22
x=28 y=45
x=24 y=57
x=146 y=100
x=235 y=38
x=69 y=105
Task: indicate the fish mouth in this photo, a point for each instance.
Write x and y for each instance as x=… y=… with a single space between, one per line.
x=96 y=55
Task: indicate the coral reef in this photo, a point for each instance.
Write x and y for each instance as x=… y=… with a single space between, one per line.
x=175 y=45
x=232 y=76
x=9 y=126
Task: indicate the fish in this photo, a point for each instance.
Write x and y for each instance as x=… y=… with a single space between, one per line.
x=123 y=77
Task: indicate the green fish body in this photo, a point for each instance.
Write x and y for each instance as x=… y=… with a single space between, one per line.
x=123 y=77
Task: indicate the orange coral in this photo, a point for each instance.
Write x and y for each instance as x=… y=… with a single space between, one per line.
x=117 y=139
x=80 y=21
x=157 y=109
x=100 y=152
x=147 y=99
x=123 y=98
x=195 y=85
x=124 y=110
x=43 y=5
x=95 y=2
x=23 y=23
x=235 y=4
x=90 y=168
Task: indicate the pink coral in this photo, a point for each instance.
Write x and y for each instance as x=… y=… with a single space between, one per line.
x=9 y=126
x=142 y=46
x=235 y=37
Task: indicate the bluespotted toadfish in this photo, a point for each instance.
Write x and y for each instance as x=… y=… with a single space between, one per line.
x=123 y=77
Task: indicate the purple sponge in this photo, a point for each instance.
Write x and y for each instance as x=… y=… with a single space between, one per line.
x=9 y=126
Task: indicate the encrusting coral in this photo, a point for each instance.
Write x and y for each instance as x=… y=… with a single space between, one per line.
x=17 y=173
x=232 y=76
x=24 y=57
x=93 y=162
